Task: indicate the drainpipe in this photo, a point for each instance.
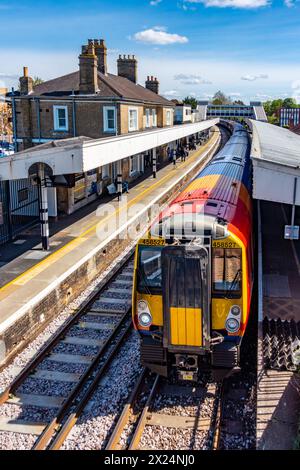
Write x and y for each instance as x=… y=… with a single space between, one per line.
x=74 y=114
x=116 y=107
x=14 y=116
x=38 y=118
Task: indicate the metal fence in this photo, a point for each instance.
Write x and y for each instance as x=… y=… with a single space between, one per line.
x=19 y=208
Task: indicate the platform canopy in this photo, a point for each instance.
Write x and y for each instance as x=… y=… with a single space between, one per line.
x=82 y=154
x=275 y=155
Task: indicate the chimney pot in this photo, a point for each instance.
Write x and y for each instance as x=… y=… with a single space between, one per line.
x=88 y=70
x=101 y=53
x=127 y=67
x=152 y=84
x=26 y=83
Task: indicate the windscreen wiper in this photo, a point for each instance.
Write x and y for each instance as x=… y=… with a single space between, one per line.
x=142 y=274
x=233 y=284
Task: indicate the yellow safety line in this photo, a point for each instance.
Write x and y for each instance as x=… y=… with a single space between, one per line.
x=82 y=235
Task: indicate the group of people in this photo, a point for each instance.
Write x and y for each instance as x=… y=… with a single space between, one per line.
x=182 y=151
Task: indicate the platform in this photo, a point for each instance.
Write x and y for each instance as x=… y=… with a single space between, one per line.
x=39 y=285
x=278 y=398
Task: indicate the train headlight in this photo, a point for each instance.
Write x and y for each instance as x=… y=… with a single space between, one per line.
x=236 y=310
x=145 y=319
x=142 y=306
x=144 y=314
x=232 y=325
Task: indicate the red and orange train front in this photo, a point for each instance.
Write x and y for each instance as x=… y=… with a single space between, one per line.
x=193 y=272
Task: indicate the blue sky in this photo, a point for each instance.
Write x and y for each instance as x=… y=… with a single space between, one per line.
x=247 y=48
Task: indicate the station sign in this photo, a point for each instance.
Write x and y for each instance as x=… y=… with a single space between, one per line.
x=291 y=232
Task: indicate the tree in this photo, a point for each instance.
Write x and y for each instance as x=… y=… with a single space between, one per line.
x=289 y=103
x=272 y=108
x=239 y=102
x=37 y=81
x=221 y=98
x=192 y=101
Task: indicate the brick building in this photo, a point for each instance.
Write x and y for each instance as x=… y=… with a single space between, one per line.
x=5 y=117
x=93 y=103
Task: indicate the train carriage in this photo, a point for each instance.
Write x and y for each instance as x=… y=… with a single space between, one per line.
x=194 y=272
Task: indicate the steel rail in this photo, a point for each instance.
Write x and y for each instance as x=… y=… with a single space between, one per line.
x=143 y=418
x=218 y=419
x=65 y=430
x=124 y=418
x=48 y=347
x=46 y=435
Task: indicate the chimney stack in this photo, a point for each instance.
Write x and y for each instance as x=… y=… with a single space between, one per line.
x=127 y=68
x=88 y=69
x=152 y=84
x=101 y=53
x=26 y=83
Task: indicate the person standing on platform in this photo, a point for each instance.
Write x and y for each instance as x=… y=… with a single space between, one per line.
x=182 y=154
x=173 y=153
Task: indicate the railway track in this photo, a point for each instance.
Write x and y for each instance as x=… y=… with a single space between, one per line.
x=175 y=415
x=56 y=385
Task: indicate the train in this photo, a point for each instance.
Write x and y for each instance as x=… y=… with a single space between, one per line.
x=194 y=269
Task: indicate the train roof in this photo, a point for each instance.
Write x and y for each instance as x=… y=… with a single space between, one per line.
x=214 y=193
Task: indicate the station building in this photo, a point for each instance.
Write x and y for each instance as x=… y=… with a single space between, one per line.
x=76 y=113
x=91 y=103
x=254 y=110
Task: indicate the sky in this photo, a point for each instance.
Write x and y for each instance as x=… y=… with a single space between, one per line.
x=249 y=49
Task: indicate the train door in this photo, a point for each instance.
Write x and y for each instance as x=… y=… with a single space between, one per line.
x=186 y=297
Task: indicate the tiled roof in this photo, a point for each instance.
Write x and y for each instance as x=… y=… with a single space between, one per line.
x=109 y=86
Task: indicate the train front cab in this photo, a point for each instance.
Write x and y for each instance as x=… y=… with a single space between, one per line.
x=190 y=306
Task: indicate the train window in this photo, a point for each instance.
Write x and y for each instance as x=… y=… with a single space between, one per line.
x=149 y=272
x=226 y=271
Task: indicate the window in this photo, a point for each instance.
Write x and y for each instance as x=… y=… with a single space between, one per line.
x=149 y=272
x=109 y=119
x=227 y=277
x=133 y=119
x=154 y=118
x=60 y=114
x=168 y=118
x=147 y=117
x=134 y=164
x=105 y=171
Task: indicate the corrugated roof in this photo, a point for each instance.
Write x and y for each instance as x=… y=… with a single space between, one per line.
x=275 y=144
x=109 y=86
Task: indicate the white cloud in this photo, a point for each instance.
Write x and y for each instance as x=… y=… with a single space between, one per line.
x=159 y=36
x=154 y=3
x=247 y=4
x=191 y=79
x=170 y=93
x=252 y=78
x=289 y=3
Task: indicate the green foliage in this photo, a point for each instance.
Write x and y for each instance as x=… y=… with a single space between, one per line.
x=191 y=100
x=220 y=98
x=239 y=102
x=37 y=81
x=272 y=108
